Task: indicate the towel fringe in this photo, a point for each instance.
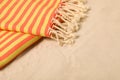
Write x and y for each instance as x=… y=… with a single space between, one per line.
x=67 y=21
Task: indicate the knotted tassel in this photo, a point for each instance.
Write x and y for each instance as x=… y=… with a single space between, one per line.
x=67 y=20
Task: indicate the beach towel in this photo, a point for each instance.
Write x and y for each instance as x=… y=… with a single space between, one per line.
x=24 y=22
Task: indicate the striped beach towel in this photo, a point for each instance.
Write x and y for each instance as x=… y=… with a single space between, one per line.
x=23 y=22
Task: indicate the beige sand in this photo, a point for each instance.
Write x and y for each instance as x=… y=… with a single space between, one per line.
x=94 y=56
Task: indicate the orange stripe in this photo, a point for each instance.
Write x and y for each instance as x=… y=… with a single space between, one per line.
x=16 y=47
x=36 y=17
x=7 y=37
x=13 y=40
x=28 y=18
x=49 y=22
x=1 y=1
x=42 y=21
x=5 y=6
x=9 y=11
x=2 y=66
x=3 y=34
x=23 y=14
x=15 y=14
x=43 y=18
